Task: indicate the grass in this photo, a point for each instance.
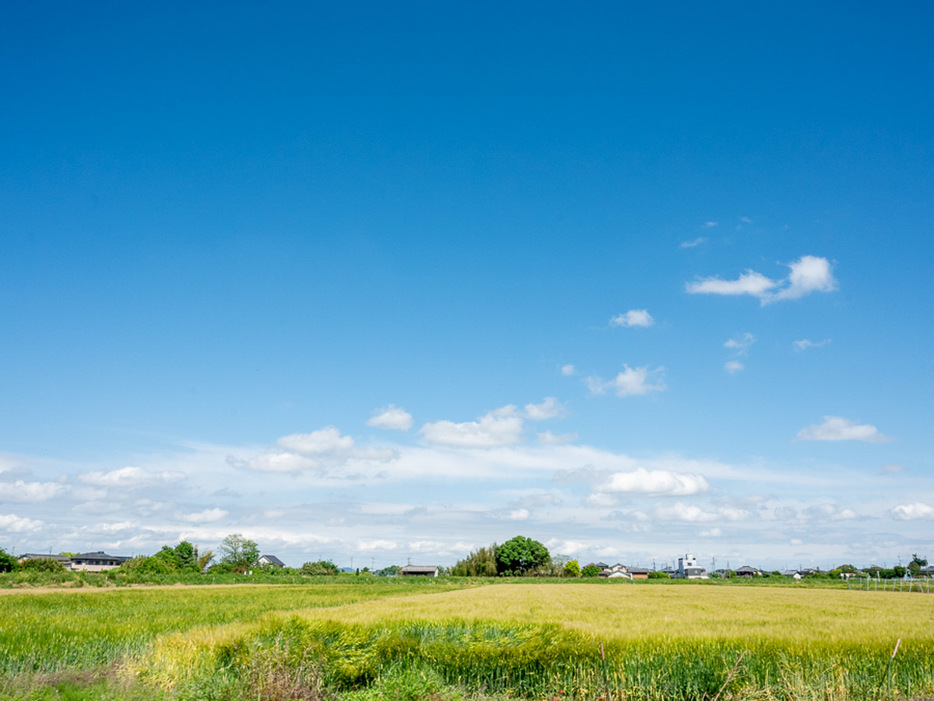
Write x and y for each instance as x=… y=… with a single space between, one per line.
x=401 y=639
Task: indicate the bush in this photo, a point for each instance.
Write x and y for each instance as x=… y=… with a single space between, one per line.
x=319 y=568
x=45 y=564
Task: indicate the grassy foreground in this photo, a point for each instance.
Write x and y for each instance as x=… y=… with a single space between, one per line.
x=404 y=640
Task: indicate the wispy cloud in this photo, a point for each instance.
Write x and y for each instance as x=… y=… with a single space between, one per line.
x=130 y=477
x=709 y=224
x=634 y=317
x=804 y=344
x=629 y=382
x=733 y=366
x=808 y=274
x=568 y=370
x=693 y=244
x=837 y=428
x=549 y=408
x=740 y=343
x=392 y=418
x=325 y=441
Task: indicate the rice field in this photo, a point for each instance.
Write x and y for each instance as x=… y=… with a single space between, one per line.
x=538 y=640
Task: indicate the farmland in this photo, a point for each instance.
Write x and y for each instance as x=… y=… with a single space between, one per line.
x=375 y=639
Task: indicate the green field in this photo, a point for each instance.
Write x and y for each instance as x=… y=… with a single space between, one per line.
x=372 y=639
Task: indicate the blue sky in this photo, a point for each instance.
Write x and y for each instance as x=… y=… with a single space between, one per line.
x=394 y=282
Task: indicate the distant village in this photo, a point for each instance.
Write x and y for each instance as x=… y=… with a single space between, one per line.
x=687 y=568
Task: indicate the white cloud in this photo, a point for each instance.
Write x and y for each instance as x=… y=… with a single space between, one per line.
x=568 y=370
x=733 y=366
x=130 y=477
x=370 y=545
x=206 y=516
x=740 y=343
x=693 y=244
x=17 y=524
x=497 y=428
x=278 y=462
x=804 y=344
x=711 y=533
x=324 y=441
x=549 y=438
x=519 y=515
x=745 y=220
x=709 y=224
x=631 y=381
x=808 y=274
x=748 y=283
x=634 y=317
x=836 y=428
x=690 y=513
x=911 y=512
x=20 y=491
x=392 y=418
x=654 y=482
x=550 y=408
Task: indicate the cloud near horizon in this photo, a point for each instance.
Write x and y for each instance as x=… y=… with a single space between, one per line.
x=837 y=428
x=392 y=418
x=653 y=483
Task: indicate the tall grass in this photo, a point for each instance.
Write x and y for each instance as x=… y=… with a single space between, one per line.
x=539 y=642
x=83 y=629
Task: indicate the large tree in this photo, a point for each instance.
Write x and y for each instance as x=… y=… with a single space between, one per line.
x=239 y=553
x=521 y=555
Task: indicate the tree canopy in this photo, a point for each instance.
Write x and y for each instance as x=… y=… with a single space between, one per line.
x=520 y=555
x=239 y=553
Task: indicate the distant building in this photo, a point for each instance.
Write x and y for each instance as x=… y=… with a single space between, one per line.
x=96 y=562
x=689 y=569
x=418 y=571
x=747 y=571
x=270 y=561
x=64 y=559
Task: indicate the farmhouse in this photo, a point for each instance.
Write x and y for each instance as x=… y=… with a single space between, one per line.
x=747 y=571
x=64 y=559
x=96 y=562
x=270 y=561
x=418 y=571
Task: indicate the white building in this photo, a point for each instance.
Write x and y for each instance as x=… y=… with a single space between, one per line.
x=689 y=569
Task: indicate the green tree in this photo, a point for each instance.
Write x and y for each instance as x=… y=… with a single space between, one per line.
x=187 y=555
x=590 y=571
x=572 y=569
x=480 y=563
x=916 y=564
x=239 y=553
x=7 y=562
x=521 y=555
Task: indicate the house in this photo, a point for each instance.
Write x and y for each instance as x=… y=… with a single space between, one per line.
x=638 y=573
x=96 y=562
x=747 y=571
x=64 y=559
x=689 y=569
x=927 y=571
x=418 y=571
x=270 y=561
x=794 y=574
